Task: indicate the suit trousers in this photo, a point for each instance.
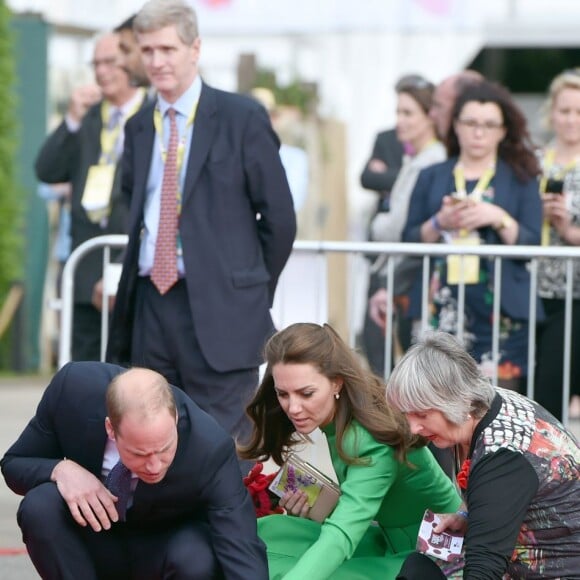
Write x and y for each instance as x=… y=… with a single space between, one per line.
x=420 y=567
x=550 y=356
x=86 y=336
x=164 y=339
x=60 y=549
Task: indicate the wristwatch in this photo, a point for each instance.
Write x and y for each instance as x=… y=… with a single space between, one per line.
x=506 y=222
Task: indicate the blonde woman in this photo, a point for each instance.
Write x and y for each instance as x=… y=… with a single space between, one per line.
x=560 y=186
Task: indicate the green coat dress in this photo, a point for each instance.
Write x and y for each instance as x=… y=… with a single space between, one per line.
x=375 y=523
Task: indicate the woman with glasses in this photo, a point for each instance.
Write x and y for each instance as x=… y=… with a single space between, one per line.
x=485 y=193
x=560 y=188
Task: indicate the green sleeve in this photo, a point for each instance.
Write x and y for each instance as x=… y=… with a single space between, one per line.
x=363 y=490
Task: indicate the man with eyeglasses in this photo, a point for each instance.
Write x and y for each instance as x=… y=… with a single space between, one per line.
x=84 y=150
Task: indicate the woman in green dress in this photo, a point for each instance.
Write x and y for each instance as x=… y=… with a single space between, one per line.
x=387 y=477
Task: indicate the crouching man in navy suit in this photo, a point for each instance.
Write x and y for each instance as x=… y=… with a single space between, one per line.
x=124 y=476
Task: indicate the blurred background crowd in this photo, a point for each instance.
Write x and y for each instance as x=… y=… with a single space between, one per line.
x=344 y=84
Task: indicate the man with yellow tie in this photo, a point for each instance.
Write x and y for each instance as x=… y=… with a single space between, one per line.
x=85 y=149
x=211 y=226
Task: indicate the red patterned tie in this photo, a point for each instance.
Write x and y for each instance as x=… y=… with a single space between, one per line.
x=164 y=272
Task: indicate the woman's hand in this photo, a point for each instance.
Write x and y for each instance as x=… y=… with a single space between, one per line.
x=473 y=215
x=454 y=522
x=449 y=212
x=556 y=213
x=378 y=304
x=295 y=503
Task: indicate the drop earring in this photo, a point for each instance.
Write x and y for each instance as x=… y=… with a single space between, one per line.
x=337 y=395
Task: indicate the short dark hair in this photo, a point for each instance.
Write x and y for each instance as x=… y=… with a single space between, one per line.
x=126 y=24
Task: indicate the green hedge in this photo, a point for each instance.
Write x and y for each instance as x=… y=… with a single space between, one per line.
x=11 y=196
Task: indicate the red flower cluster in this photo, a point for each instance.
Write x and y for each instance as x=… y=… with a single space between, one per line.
x=463 y=475
x=257 y=484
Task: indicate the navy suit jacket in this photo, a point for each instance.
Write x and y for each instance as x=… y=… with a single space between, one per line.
x=237 y=228
x=203 y=482
x=520 y=199
x=387 y=148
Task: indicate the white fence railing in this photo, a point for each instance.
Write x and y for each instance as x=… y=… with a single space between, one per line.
x=314 y=298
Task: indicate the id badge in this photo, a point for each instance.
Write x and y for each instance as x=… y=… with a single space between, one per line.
x=463 y=268
x=98 y=187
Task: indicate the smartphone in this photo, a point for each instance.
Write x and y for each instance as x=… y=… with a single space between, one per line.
x=554 y=186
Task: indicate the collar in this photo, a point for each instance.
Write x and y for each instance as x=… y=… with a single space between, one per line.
x=132 y=104
x=184 y=105
x=329 y=429
x=486 y=421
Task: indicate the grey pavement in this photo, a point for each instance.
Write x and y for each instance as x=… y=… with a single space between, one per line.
x=18 y=399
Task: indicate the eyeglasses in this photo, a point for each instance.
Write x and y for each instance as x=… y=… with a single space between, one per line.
x=485 y=127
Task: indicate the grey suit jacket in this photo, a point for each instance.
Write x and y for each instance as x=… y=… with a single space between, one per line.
x=67 y=157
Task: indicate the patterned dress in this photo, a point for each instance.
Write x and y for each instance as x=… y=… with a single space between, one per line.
x=552 y=271
x=523 y=494
x=552 y=290
x=513 y=343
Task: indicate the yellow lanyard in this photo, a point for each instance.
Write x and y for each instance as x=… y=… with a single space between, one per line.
x=480 y=187
x=548 y=164
x=158 y=122
x=111 y=135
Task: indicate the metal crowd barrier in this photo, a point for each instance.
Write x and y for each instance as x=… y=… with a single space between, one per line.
x=392 y=251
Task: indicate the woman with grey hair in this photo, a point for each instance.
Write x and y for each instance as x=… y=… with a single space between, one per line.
x=517 y=466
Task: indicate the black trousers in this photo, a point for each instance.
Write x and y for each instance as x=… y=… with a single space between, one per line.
x=550 y=356
x=420 y=567
x=60 y=549
x=86 y=335
x=165 y=340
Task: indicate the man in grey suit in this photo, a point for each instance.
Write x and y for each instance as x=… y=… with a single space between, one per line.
x=230 y=232
x=84 y=150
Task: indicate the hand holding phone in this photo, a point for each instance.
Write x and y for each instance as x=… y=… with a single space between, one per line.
x=555 y=186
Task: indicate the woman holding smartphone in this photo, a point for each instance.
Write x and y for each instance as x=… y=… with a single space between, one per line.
x=485 y=193
x=560 y=187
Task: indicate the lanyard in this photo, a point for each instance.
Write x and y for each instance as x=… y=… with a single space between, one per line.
x=548 y=164
x=158 y=122
x=110 y=135
x=480 y=187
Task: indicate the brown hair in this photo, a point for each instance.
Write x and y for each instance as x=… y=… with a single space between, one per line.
x=362 y=397
x=516 y=148
x=418 y=88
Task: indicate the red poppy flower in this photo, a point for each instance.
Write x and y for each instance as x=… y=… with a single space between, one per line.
x=463 y=475
x=265 y=503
